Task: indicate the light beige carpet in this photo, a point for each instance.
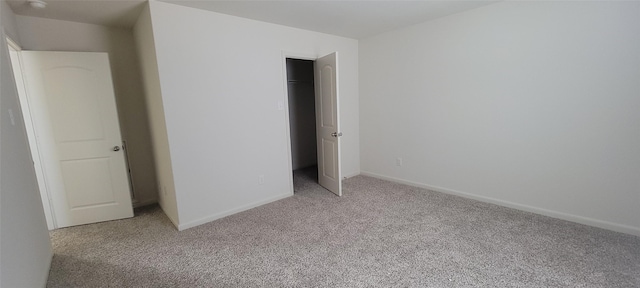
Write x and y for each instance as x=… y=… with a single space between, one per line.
x=380 y=234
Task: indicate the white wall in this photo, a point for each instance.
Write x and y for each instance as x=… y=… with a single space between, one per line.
x=145 y=45
x=221 y=79
x=25 y=248
x=302 y=113
x=532 y=105
x=55 y=35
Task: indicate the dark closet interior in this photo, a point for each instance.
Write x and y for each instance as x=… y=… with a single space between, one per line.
x=302 y=113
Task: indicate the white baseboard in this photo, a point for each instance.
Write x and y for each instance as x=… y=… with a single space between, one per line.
x=554 y=214
x=231 y=211
x=350 y=175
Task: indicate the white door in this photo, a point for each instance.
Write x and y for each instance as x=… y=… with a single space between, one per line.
x=327 y=123
x=78 y=136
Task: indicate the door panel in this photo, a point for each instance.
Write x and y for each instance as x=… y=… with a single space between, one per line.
x=327 y=89
x=329 y=154
x=69 y=88
x=327 y=123
x=87 y=182
x=75 y=120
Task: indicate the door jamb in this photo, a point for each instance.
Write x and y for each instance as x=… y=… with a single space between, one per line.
x=31 y=136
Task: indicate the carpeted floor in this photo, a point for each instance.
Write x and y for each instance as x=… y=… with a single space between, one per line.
x=379 y=234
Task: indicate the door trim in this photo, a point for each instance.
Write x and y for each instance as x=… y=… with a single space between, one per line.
x=31 y=136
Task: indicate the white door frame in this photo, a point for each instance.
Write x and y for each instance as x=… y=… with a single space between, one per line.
x=300 y=56
x=14 y=51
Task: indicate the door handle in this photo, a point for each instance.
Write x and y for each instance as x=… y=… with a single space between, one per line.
x=116 y=148
x=336 y=134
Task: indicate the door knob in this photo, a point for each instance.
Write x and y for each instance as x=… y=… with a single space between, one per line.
x=336 y=134
x=116 y=148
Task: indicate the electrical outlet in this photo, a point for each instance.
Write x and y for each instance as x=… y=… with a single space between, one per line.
x=399 y=162
x=261 y=179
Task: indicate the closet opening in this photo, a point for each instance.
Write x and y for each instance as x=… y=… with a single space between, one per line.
x=302 y=122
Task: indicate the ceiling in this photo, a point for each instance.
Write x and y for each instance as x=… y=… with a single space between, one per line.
x=353 y=19
x=118 y=13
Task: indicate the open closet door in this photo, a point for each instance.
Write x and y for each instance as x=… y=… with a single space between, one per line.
x=73 y=107
x=327 y=123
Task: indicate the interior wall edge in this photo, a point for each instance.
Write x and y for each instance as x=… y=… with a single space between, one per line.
x=144 y=40
x=173 y=221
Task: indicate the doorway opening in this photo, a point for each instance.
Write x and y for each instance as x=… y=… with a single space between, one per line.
x=71 y=128
x=321 y=77
x=302 y=122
